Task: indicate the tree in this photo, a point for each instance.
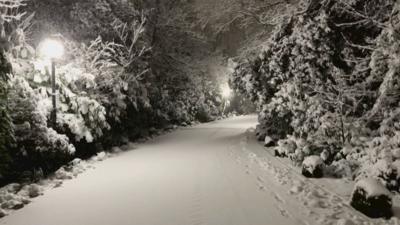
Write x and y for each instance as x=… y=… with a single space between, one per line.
x=246 y=23
x=328 y=74
x=6 y=131
x=8 y=15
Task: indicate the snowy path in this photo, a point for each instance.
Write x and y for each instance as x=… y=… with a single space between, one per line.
x=211 y=174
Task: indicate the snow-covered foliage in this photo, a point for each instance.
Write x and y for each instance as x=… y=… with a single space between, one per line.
x=6 y=131
x=9 y=15
x=240 y=26
x=187 y=90
x=372 y=188
x=372 y=198
x=313 y=166
x=33 y=136
x=112 y=82
x=329 y=76
x=88 y=84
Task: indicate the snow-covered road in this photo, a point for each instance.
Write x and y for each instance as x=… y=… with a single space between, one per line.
x=210 y=174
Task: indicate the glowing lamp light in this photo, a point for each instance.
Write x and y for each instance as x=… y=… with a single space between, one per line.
x=226 y=91
x=51 y=49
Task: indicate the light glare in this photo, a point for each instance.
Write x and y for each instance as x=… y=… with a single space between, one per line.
x=51 y=49
x=226 y=91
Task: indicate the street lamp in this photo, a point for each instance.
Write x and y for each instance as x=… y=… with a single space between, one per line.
x=226 y=93
x=52 y=49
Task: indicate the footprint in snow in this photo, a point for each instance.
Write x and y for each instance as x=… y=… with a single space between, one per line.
x=324 y=221
x=315 y=203
x=345 y=222
x=316 y=194
x=284 y=212
x=335 y=199
x=278 y=198
x=282 y=182
x=334 y=215
x=298 y=183
x=295 y=189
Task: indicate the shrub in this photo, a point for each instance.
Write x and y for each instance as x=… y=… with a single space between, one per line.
x=372 y=198
x=6 y=129
x=313 y=166
x=38 y=146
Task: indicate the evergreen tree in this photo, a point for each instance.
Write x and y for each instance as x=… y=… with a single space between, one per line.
x=6 y=131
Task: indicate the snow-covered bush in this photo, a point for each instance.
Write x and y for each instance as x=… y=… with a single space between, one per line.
x=329 y=75
x=10 y=36
x=372 y=198
x=261 y=133
x=382 y=150
x=380 y=164
x=79 y=113
x=111 y=85
x=285 y=148
x=94 y=89
x=6 y=131
x=313 y=166
x=342 y=168
x=36 y=142
x=268 y=141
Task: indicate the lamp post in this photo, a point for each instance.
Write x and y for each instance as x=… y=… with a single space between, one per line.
x=51 y=49
x=226 y=92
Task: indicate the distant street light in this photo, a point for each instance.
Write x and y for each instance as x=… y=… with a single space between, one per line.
x=226 y=92
x=51 y=49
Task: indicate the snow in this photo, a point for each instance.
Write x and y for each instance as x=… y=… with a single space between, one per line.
x=2 y=213
x=286 y=147
x=214 y=174
x=312 y=162
x=341 y=168
x=345 y=222
x=30 y=191
x=100 y=156
x=325 y=155
x=396 y=166
x=268 y=140
x=372 y=187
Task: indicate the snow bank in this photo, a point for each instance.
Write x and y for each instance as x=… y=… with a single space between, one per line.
x=15 y=196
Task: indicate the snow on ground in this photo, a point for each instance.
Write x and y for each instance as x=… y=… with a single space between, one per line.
x=214 y=174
